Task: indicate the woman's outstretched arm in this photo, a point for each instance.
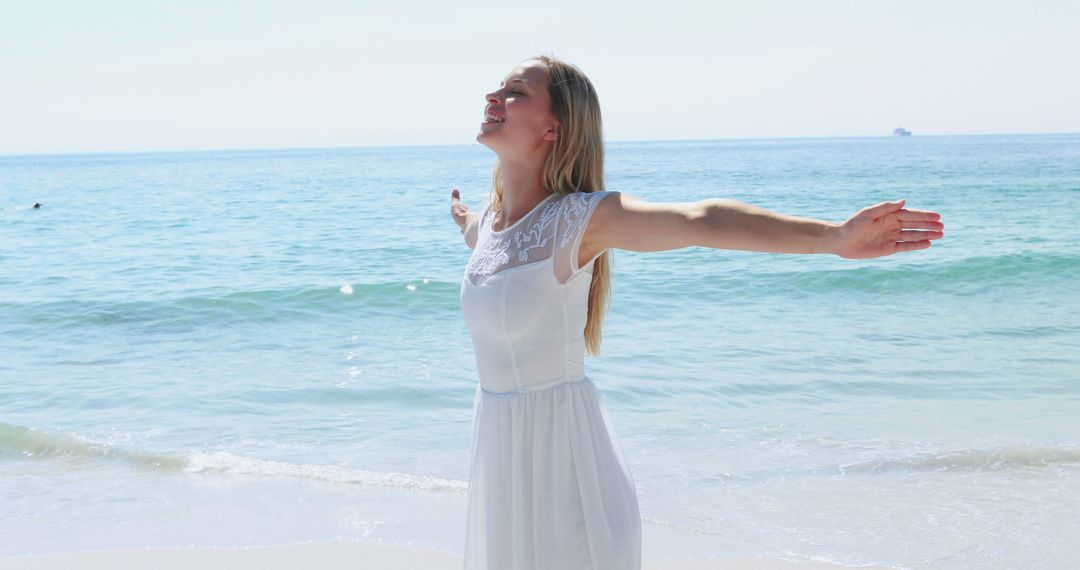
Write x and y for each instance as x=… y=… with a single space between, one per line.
x=625 y=222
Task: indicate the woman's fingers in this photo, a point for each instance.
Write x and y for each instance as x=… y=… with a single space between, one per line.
x=914 y=225
x=911 y=245
x=907 y=215
x=918 y=235
x=456 y=207
x=883 y=209
x=458 y=210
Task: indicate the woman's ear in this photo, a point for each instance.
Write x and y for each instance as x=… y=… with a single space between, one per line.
x=552 y=133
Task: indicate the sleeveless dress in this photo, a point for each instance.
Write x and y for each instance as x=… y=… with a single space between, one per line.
x=549 y=487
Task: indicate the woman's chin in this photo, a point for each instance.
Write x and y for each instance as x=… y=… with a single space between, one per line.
x=484 y=139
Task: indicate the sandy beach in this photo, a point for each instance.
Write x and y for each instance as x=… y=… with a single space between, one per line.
x=334 y=555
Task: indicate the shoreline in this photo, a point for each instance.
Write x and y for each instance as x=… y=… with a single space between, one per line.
x=351 y=554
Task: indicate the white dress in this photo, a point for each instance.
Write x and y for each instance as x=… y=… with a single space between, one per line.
x=549 y=487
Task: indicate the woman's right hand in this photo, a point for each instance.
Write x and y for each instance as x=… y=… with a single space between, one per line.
x=459 y=211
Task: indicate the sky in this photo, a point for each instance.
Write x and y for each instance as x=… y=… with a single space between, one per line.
x=130 y=76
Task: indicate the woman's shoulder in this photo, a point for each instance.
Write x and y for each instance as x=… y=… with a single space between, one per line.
x=584 y=202
x=586 y=197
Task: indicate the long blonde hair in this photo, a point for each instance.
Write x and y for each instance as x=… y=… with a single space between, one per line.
x=576 y=164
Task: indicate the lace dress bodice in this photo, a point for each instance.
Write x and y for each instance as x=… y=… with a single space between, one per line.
x=525 y=300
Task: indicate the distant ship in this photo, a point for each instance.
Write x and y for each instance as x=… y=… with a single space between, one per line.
x=901 y=132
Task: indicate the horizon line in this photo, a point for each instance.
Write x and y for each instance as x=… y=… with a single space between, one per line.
x=443 y=145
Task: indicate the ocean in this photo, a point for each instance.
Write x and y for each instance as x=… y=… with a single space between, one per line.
x=264 y=347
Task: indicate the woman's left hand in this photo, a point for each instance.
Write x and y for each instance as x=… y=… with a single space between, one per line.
x=885 y=229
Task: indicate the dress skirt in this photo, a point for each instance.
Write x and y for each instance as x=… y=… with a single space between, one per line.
x=549 y=486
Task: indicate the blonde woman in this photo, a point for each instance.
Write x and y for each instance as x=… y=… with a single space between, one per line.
x=549 y=487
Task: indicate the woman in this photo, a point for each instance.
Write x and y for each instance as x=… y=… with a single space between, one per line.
x=549 y=487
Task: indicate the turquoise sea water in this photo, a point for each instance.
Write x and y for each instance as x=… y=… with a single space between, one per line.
x=230 y=348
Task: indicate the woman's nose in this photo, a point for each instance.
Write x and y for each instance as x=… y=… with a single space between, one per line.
x=492 y=97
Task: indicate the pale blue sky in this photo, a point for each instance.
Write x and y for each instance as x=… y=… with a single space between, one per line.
x=141 y=75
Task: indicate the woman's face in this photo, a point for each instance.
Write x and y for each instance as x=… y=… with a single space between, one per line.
x=517 y=117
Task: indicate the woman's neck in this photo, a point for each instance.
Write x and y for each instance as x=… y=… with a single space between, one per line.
x=523 y=189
